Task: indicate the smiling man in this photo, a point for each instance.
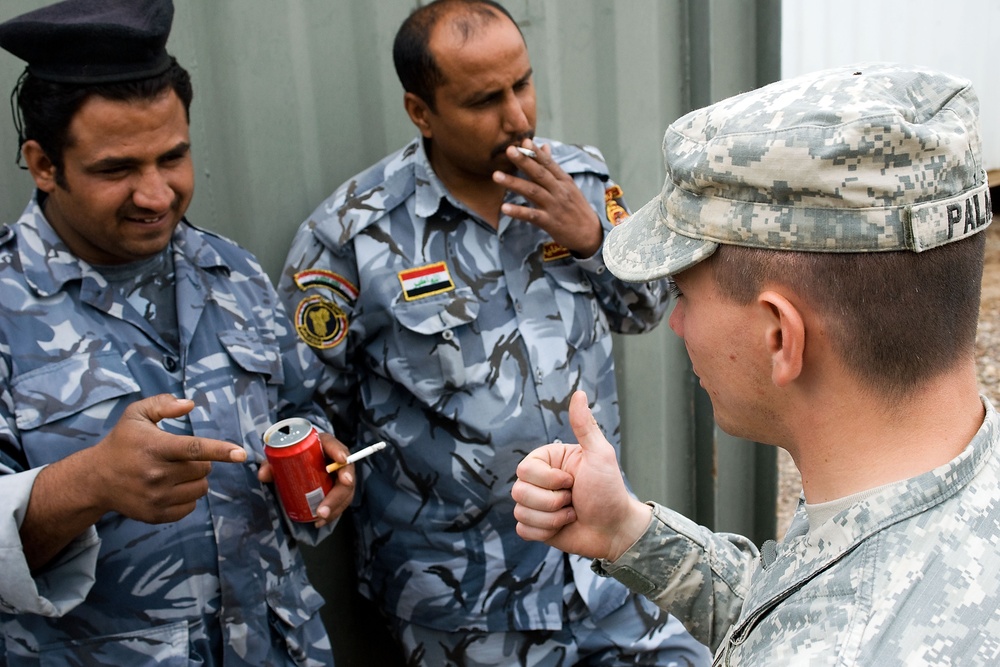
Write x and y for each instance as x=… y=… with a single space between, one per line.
x=824 y=235
x=456 y=294
x=136 y=351
x=125 y=180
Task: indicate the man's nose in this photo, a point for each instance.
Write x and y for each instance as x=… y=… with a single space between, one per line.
x=153 y=191
x=515 y=119
x=676 y=320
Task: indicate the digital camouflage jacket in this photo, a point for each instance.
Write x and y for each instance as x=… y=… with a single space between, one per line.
x=907 y=576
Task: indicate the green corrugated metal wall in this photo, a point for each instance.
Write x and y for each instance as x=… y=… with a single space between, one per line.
x=292 y=97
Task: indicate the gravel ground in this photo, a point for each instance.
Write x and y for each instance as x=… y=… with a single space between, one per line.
x=988 y=370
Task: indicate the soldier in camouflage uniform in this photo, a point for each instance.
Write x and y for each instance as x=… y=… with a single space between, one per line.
x=456 y=296
x=824 y=234
x=135 y=349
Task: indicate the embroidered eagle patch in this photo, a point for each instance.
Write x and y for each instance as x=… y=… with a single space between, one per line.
x=321 y=322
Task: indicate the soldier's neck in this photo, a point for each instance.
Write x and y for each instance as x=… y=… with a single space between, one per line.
x=479 y=193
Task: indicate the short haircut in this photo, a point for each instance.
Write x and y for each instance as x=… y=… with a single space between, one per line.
x=897 y=318
x=47 y=108
x=415 y=65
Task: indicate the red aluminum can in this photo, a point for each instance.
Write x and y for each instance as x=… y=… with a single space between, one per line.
x=293 y=449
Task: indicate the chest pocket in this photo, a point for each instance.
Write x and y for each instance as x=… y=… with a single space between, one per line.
x=438 y=345
x=255 y=389
x=581 y=314
x=82 y=391
x=254 y=354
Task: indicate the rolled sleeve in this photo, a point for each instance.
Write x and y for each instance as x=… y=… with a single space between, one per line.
x=63 y=583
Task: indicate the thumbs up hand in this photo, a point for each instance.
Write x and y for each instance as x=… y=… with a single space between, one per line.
x=573 y=497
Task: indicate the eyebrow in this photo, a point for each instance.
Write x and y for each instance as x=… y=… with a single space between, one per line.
x=482 y=96
x=113 y=162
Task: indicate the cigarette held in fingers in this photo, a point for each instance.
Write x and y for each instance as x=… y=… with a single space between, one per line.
x=357 y=456
x=526 y=151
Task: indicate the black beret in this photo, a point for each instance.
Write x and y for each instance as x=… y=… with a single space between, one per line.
x=92 y=41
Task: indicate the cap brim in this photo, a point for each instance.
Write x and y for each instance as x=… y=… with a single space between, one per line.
x=644 y=248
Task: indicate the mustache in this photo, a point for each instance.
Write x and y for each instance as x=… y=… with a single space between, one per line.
x=516 y=141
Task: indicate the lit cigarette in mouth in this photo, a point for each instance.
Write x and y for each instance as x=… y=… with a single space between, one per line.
x=526 y=151
x=357 y=456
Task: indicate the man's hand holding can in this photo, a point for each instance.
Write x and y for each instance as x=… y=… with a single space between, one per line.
x=297 y=456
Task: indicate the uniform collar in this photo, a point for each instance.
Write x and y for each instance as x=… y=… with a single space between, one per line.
x=47 y=264
x=803 y=554
x=428 y=188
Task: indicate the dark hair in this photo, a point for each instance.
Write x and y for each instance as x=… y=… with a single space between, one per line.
x=896 y=318
x=47 y=108
x=415 y=65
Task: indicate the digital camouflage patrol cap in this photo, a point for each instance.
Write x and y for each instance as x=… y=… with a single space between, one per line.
x=873 y=157
x=92 y=41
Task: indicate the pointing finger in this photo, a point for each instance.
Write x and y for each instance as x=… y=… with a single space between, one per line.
x=204 y=449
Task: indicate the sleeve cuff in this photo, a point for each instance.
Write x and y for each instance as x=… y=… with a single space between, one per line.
x=61 y=585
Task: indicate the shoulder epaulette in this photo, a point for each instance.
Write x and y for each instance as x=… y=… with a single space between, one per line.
x=365 y=198
x=579 y=159
x=215 y=238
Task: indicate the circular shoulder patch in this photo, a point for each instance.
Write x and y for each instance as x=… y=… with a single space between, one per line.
x=321 y=323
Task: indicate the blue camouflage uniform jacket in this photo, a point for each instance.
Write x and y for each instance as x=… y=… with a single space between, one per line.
x=227 y=580
x=907 y=576
x=460 y=346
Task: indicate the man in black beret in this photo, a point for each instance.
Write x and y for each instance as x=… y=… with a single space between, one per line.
x=135 y=350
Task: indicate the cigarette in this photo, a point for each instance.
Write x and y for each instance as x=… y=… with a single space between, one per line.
x=357 y=456
x=526 y=151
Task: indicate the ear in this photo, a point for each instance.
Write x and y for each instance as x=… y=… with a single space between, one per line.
x=418 y=111
x=40 y=166
x=784 y=336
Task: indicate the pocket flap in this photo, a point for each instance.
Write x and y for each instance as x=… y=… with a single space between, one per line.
x=293 y=599
x=253 y=354
x=163 y=645
x=435 y=314
x=569 y=277
x=57 y=390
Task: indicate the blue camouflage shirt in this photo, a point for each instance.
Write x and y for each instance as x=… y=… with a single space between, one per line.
x=907 y=576
x=460 y=346
x=226 y=580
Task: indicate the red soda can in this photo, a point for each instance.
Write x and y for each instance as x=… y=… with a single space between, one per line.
x=293 y=449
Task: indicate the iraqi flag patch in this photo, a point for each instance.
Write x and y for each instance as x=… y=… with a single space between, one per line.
x=425 y=281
